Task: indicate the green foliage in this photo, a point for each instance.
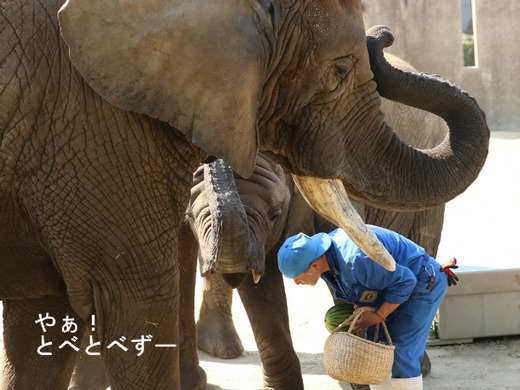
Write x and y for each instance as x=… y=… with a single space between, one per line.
x=435 y=327
x=468 y=45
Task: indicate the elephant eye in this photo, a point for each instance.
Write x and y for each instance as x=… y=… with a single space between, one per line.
x=339 y=73
x=274 y=213
x=343 y=66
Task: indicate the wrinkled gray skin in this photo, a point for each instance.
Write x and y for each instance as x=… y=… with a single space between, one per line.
x=106 y=110
x=265 y=198
x=251 y=218
x=217 y=335
x=255 y=216
x=269 y=203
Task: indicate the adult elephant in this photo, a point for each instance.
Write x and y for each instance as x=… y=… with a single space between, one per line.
x=251 y=202
x=108 y=107
x=249 y=211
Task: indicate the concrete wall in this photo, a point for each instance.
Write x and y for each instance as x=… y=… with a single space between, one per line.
x=428 y=34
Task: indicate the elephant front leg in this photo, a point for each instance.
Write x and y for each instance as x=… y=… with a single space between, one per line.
x=193 y=377
x=266 y=307
x=39 y=348
x=138 y=330
x=216 y=332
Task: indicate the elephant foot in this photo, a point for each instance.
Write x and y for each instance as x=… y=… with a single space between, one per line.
x=289 y=379
x=426 y=365
x=297 y=385
x=193 y=377
x=359 y=387
x=219 y=340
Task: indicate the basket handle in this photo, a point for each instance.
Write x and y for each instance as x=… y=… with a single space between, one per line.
x=355 y=316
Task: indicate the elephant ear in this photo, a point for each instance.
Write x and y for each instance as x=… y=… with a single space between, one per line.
x=199 y=65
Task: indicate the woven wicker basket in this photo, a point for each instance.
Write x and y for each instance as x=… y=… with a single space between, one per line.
x=349 y=358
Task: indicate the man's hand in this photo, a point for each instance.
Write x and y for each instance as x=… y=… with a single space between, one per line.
x=366 y=320
x=374 y=317
x=446 y=267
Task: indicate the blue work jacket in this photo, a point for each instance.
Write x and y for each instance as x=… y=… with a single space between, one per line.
x=356 y=278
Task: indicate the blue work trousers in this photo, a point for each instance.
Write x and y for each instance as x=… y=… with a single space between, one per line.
x=409 y=325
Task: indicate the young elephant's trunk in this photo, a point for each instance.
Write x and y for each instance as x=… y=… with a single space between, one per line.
x=225 y=240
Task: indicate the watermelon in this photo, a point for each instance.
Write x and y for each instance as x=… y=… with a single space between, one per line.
x=337 y=314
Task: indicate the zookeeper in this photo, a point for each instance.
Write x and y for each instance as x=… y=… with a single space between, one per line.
x=407 y=298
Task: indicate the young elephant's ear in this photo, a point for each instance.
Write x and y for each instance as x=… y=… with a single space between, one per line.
x=200 y=65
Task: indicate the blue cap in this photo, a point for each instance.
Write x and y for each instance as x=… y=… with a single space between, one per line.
x=299 y=251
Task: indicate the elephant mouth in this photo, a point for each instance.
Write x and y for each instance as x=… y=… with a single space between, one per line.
x=235 y=279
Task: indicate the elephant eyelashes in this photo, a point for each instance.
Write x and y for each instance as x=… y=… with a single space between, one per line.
x=274 y=214
x=338 y=73
x=343 y=66
x=341 y=72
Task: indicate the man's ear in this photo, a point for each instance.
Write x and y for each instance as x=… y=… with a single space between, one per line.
x=320 y=262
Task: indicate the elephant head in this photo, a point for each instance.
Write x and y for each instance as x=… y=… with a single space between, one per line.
x=236 y=220
x=290 y=78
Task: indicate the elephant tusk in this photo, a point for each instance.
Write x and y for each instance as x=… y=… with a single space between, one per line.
x=329 y=198
x=256 y=275
x=207 y=279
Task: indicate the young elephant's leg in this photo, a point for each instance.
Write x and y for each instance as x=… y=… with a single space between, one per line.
x=216 y=332
x=34 y=354
x=193 y=377
x=266 y=307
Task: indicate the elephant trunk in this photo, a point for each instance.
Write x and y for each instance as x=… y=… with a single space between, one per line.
x=395 y=175
x=225 y=240
x=393 y=167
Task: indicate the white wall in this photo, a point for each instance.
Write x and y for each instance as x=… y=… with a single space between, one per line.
x=428 y=34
